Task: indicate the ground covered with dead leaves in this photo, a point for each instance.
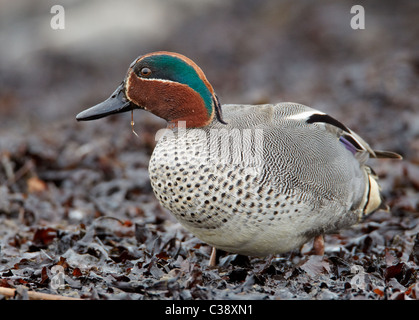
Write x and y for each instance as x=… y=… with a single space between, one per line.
x=89 y=209
x=78 y=217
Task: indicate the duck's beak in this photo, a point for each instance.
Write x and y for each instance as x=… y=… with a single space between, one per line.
x=116 y=103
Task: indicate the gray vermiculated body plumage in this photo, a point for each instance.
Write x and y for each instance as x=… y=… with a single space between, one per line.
x=304 y=183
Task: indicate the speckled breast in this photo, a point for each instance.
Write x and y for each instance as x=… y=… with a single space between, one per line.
x=201 y=188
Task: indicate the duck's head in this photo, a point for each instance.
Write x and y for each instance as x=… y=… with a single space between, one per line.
x=168 y=85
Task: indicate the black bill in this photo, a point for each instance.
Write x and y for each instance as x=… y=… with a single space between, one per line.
x=116 y=103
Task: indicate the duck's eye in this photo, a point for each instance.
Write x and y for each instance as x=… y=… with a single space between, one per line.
x=145 y=72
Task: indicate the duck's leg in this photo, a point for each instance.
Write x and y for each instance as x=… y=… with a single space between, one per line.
x=213 y=257
x=318 y=245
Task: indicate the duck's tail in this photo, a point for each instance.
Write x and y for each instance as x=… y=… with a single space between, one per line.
x=373 y=199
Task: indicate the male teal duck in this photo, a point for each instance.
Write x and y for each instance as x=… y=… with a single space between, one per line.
x=249 y=179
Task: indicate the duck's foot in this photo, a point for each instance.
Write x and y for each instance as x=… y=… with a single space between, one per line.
x=213 y=258
x=318 y=245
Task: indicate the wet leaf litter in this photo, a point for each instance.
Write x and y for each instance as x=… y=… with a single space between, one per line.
x=100 y=222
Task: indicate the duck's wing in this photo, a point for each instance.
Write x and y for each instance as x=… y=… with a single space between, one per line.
x=352 y=141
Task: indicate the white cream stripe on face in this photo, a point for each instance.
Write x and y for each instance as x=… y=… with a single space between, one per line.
x=128 y=82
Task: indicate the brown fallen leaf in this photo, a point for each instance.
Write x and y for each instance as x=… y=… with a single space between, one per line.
x=378 y=292
x=77 y=273
x=36 y=185
x=44 y=236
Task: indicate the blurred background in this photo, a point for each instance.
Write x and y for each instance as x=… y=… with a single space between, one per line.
x=251 y=51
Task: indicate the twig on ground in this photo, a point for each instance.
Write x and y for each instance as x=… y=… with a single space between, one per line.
x=33 y=295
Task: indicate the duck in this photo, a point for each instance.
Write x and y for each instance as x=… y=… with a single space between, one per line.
x=255 y=180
